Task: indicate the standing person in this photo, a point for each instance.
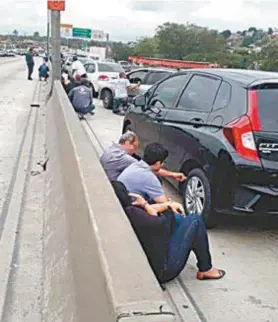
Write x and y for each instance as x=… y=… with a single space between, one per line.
x=78 y=68
x=81 y=98
x=121 y=96
x=30 y=63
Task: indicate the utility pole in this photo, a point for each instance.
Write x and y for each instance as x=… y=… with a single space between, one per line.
x=107 y=45
x=56 y=44
x=48 y=33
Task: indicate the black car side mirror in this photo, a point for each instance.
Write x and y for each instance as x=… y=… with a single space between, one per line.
x=140 y=101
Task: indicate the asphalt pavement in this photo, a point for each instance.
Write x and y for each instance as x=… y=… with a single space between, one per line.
x=21 y=194
x=245 y=247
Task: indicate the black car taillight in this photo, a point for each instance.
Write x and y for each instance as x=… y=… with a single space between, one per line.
x=240 y=132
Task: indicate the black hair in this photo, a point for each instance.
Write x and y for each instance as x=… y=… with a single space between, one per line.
x=122 y=193
x=155 y=152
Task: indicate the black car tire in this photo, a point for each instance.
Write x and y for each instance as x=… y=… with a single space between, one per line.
x=208 y=215
x=107 y=99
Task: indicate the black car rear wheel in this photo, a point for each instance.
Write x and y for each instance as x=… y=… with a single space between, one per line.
x=107 y=99
x=196 y=193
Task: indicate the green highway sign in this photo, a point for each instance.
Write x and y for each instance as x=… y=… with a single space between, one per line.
x=81 y=33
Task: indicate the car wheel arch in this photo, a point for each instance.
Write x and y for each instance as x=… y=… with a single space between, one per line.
x=127 y=123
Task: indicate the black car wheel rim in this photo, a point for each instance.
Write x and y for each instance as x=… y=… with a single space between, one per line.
x=195 y=196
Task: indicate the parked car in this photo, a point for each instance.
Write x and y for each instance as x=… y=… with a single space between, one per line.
x=220 y=127
x=126 y=65
x=146 y=76
x=67 y=66
x=101 y=72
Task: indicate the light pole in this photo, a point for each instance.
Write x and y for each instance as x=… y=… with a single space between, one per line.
x=48 y=33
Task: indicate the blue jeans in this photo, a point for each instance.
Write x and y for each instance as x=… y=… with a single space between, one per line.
x=190 y=234
x=85 y=110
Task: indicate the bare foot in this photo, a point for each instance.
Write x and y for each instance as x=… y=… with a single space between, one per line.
x=212 y=274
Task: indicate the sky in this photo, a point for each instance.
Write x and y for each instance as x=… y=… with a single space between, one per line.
x=128 y=20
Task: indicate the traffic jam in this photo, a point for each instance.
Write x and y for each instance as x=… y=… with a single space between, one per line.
x=219 y=124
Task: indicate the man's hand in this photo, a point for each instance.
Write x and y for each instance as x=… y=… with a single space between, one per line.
x=179 y=176
x=138 y=200
x=176 y=207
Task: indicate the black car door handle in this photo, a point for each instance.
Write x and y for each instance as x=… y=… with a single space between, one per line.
x=197 y=122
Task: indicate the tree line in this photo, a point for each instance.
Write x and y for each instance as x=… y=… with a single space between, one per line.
x=192 y=42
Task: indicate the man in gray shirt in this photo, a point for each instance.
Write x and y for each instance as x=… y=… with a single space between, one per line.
x=119 y=156
x=81 y=98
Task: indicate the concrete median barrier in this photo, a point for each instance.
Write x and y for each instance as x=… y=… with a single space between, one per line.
x=95 y=268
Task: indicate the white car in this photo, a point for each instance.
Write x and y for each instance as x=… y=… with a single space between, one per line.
x=99 y=73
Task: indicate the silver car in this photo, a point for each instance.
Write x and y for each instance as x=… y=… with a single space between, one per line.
x=146 y=76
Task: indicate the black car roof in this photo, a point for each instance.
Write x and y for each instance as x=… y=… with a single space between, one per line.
x=243 y=76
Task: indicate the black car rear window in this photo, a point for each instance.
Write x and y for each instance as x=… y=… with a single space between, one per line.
x=268 y=109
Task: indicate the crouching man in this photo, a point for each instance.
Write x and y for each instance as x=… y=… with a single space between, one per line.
x=81 y=98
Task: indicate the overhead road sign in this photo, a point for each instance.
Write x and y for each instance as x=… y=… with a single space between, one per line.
x=56 y=5
x=82 y=33
x=66 y=30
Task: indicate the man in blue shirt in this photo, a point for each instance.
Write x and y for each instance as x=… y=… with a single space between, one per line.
x=140 y=177
x=81 y=98
x=30 y=63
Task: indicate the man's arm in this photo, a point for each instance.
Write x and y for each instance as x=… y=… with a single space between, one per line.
x=70 y=95
x=179 y=176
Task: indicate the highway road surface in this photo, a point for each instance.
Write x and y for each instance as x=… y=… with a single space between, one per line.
x=245 y=247
x=21 y=195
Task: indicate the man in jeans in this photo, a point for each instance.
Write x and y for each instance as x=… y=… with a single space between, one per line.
x=81 y=98
x=30 y=63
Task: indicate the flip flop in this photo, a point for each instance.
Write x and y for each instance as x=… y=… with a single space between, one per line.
x=203 y=276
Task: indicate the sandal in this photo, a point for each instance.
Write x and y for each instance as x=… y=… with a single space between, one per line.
x=204 y=276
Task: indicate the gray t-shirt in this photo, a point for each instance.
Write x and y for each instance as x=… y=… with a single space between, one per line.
x=139 y=178
x=115 y=160
x=81 y=97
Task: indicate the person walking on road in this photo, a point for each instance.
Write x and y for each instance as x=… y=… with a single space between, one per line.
x=30 y=63
x=121 y=95
x=78 y=68
x=119 y=156
x=81 y=98
x=166 y=241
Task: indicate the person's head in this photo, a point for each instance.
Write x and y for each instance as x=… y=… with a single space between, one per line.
x=130 y=142
x=78 y=78
x=154 y=155
x=122 y=194
x=122 y=75
x=31 y=50
x=45 y=59
x=75 y=58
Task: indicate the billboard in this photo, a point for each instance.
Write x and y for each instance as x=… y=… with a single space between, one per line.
x=98 y=35
x=66 y=30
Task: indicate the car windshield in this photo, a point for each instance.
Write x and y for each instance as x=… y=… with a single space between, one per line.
x=124 y=63
x=82 y=60
x=108 y=67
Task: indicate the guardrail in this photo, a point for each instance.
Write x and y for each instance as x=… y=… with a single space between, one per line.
x=95 y=268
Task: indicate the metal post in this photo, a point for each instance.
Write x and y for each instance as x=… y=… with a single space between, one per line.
x=107 y=46
x=56 y=44
x=48 y=33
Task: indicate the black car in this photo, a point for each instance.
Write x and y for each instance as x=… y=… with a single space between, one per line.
x=221 y=129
